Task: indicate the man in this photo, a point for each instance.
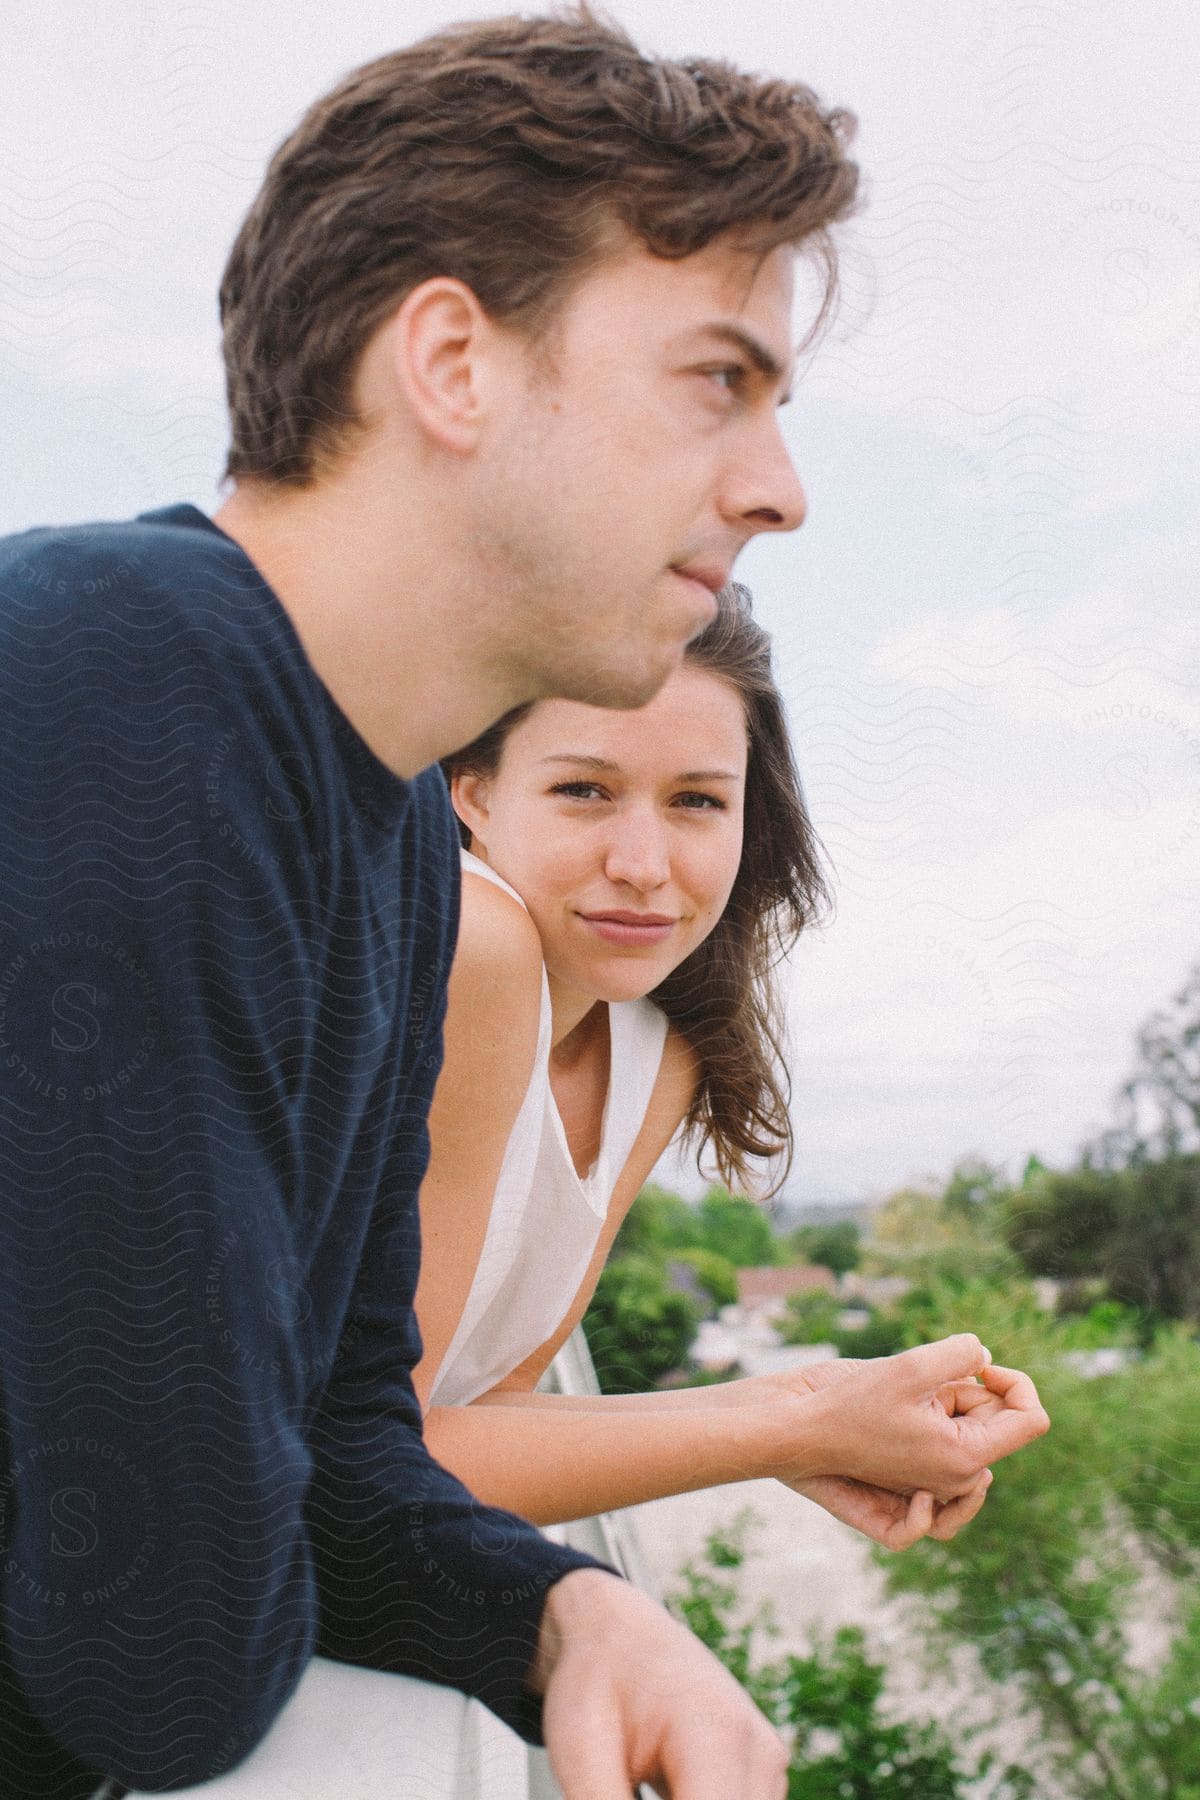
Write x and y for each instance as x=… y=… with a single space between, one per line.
x=505 y=332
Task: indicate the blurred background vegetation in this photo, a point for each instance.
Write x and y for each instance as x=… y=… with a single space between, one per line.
x=1077 y=1585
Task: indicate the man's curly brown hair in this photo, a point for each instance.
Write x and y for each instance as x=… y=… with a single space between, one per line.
x=509 y=153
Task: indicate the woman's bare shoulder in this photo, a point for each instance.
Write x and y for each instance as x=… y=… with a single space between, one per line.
x=493 y=1011
x=490 y=1049
x=498 y=952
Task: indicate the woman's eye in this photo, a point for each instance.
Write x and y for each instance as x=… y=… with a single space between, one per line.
x=730 y=376
x=577 y=790
x=707 y=802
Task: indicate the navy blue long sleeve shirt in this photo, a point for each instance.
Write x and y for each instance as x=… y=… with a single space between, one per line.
x=225 y=932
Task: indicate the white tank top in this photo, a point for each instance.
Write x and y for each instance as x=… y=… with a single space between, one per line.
x=546 y=1217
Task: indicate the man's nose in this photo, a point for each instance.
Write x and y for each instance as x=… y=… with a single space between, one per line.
x=762 y=489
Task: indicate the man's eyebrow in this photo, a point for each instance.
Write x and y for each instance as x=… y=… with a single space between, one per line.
x=603 y=766
x=764 y=360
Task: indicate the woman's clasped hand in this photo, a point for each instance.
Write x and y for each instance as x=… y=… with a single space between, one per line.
x=901 y=1447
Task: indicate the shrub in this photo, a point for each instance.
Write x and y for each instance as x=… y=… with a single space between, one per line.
x=715 y=1273
x=810 y=1319
x=836 y=1247
x=828 y=1701
x=638 y=1327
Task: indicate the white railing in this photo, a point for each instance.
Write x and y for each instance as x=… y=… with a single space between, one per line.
x=610 y=1536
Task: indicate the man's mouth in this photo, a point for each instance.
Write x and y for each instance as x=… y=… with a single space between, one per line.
x=712 y=576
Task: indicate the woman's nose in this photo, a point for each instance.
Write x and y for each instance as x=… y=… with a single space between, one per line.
x=638 y=854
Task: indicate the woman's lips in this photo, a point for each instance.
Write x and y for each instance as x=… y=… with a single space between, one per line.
x=622 y=931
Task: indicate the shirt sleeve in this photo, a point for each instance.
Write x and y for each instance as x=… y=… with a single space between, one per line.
x=156 y=1580
x=414 y=1574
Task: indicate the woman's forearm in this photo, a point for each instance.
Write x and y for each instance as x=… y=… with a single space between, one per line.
x=714 y=1397
x=552 y=1457
x=928 y=1420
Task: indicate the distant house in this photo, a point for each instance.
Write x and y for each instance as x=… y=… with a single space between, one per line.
x=762 y=1293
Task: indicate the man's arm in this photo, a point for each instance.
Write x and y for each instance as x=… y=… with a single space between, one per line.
x=157 y=1582
x=157 y=1578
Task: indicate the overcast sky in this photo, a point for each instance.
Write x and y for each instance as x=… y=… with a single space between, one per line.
x=987 y=632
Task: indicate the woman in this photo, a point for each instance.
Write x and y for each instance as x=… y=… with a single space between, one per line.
x=630 y=879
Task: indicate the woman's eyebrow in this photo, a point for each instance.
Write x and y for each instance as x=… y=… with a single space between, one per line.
x=576 y=756
x=602 y=765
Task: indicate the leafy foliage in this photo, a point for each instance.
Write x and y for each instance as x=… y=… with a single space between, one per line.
x=658 y=1222
x=1138 y=1229
x=810 y=1318
x=738 y=1229
x=715 y=1273
x=828 y=1701
x=1044 y=1582
x=1158 y=1108
x=816 y=1319
x=638 y=1327
x=885 y=1332
x=837 y=1247
x=950 y=1234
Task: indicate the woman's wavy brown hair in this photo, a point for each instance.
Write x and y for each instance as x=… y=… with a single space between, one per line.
x=510 y=154
x=723 y=997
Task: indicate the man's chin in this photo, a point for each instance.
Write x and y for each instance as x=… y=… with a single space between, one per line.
x=626 y=689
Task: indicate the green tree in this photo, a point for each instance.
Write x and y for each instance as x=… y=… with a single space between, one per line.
x=1158 y=1108
x=715 y=1273
x=975 y=1188
x=810 y=1318
x=921 y=1234
x=638 y=1327
x=1063 y=1225
x=837 y=1246
x=1138 y=1228
x=737 y=1229
x=1154 y=1258
x=1044 y=1581
x=657 y=1223
x=883 y=1334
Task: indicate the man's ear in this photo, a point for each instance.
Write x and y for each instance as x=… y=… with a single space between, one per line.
x=469 y=795
x=442 y=345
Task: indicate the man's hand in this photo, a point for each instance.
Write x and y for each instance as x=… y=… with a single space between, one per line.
x=928 y=1420
x=632 y=1696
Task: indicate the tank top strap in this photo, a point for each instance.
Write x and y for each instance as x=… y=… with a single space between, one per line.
x=638 y=1032
x=475 y=865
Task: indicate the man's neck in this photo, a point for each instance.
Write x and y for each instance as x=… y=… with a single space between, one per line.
x=386 y=625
